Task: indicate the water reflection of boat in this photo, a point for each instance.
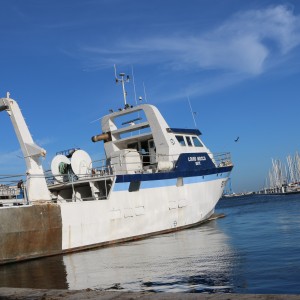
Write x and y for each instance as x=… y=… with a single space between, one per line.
x=154 y=179
x=197 y=259
x=48 y=273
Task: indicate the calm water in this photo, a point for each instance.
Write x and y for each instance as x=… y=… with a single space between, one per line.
x=254 y=249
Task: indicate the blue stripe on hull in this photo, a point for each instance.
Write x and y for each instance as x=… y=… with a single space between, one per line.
x=171 y=175
x=124 y=186
x=158 y=183
x=121 y=186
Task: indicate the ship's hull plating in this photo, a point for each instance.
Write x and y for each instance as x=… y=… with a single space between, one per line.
x=156 y=206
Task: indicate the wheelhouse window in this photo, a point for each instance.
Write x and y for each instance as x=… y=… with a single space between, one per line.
x=133 y=146
x=189 y=142
x=196 y=142
x=151 y=144
x=180 y=140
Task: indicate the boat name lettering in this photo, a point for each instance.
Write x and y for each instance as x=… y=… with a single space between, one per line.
x=196 y=159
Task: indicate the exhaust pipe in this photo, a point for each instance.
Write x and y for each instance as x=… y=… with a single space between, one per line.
x=106 y=137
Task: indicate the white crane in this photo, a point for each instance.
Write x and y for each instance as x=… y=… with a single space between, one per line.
x=36 y=185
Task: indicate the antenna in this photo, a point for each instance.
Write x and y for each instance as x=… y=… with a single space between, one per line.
x=145 y=91
x=122 y=80
x=133 y=85
x=115 y=72
x=192 y=112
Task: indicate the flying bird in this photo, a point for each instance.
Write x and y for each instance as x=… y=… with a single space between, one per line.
x=236 y=140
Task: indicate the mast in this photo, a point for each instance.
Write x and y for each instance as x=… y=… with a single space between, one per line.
x=123 y=78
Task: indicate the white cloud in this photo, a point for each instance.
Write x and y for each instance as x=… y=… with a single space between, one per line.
x=245 y=43
x=10 y=156
x=44 y=141
x=12 y=162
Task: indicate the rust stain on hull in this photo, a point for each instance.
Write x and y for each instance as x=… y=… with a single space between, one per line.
x=29 y=232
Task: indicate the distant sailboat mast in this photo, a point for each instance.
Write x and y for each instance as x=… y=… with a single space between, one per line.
x=284 y=176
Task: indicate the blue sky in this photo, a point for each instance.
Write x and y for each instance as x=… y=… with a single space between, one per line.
x=238 y=61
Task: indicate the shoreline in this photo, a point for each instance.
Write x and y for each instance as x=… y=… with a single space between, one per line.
x=44 y=294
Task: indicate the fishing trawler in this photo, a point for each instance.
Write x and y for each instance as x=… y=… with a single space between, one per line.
x=154 y=179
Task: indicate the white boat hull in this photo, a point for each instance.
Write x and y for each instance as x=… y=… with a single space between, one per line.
x=127 y=215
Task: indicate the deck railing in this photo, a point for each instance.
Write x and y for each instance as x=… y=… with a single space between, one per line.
x=12 y=189
x=99 y=169
x=163 y=163
x=222 y=159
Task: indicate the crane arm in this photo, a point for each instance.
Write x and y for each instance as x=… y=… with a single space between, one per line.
x=36 y=183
